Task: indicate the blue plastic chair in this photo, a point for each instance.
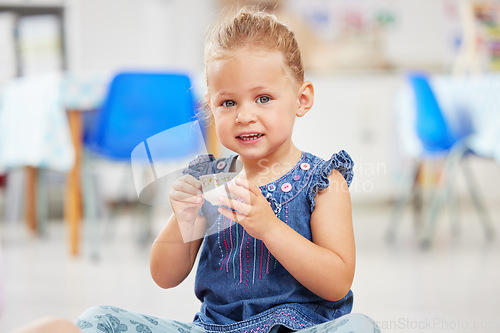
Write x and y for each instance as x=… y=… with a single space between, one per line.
x=138 y=106
x=431 y=126
x=437 y=138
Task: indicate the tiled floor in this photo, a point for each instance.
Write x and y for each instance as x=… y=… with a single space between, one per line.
x=453 y=287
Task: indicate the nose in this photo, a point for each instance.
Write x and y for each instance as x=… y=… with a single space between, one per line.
x=246 y=114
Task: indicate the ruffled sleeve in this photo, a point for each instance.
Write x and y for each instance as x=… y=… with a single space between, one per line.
x=340 y=161
x=199 y=166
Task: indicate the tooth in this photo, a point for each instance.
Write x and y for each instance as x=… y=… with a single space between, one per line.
x=247 y=137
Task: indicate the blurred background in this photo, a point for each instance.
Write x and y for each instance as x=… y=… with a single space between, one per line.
x=410 y=88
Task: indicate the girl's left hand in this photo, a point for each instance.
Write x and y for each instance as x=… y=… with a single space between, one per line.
x=253 y=211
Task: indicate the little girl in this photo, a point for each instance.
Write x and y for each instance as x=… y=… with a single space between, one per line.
x=287 y=264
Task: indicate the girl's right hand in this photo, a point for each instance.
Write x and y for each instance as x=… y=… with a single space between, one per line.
x=186 y=199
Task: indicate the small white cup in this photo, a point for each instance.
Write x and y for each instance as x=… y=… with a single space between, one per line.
x=214 y=186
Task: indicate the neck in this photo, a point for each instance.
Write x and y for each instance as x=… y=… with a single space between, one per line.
x=265 y=170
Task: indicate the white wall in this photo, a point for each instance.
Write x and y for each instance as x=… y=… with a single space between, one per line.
x=424 y=33
x=355 y=113
x=110 y=35
x=352 y=112
x=113 y=34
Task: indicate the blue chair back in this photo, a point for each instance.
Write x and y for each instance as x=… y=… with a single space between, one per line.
x=431 y=125
x=138 y=106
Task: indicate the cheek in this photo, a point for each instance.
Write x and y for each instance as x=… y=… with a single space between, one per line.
x=222 y=127
x=283 y=116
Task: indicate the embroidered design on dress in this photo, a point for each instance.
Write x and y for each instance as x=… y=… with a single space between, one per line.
x=274 y=203
x=232 y=245
x=273 y=320
x=243 y=252
x=225 y=244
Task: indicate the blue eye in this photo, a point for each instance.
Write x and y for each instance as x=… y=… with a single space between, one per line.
x=263 y=99
x=228 y=104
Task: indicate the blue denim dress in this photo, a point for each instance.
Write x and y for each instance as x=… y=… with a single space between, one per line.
x=242 y=287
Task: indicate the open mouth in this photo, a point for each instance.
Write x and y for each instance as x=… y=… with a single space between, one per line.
x=249 y=137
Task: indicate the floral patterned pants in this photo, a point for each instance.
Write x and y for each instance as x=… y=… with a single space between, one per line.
x=109 y=319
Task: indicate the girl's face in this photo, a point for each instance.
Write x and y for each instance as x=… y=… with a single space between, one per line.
x=254 y=103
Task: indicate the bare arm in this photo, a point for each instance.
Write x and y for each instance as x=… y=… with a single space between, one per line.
x=324 y=265
x=174 y=251
x=171 y=258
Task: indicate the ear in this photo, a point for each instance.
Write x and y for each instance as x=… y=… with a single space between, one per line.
x=305 y=98
x=207 y=98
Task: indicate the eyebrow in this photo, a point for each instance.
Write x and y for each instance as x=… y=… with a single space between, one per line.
x=259 y=88
x=226 y=93
x=222 y=94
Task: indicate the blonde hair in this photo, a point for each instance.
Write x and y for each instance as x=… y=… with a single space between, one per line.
x=254 y=27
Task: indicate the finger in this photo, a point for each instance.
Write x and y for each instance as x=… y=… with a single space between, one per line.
x=232 y=215
x=241 y=207
x=191 y=181
x=239 y=192
x=182 y=191
x=186 y=198
x=186 y=187
x=243 y=182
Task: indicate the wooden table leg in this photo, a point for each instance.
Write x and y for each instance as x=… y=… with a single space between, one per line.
x=73 y=201
x=213 y=141
x=30 y=204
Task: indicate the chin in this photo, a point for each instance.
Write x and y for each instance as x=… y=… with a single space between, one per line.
x=255 y=156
